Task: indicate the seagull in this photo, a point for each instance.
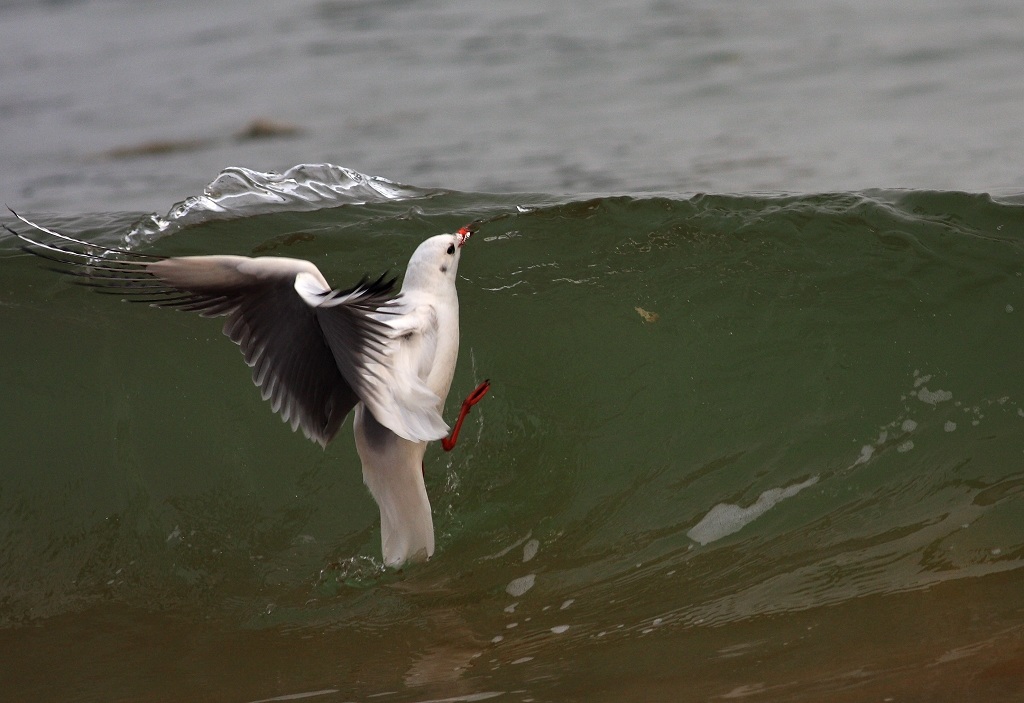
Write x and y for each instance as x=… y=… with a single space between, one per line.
x=318 y=353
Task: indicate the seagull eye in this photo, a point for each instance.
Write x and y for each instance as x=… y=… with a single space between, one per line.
x=451 y=248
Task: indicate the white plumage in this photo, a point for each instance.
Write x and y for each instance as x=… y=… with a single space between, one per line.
x=422 y=355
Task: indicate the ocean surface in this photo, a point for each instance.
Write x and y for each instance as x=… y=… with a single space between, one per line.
x=749 y=289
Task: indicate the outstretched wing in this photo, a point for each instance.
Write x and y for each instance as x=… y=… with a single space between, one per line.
x=311 y=349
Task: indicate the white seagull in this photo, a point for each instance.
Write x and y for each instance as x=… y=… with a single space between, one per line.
x=316 y=353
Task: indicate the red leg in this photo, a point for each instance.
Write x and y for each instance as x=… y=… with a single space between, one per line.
x=448 y=443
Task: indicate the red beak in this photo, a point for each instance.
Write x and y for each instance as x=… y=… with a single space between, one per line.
x=467 y=231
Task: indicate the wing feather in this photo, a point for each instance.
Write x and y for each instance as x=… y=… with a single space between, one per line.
x=400 y=397
x=312 y=364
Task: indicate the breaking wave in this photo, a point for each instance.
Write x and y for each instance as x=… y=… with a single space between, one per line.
x=242 y=192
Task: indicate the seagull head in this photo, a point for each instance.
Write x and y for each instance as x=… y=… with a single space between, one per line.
x=435 y=262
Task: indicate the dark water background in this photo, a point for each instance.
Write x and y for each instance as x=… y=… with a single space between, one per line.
x=758 y=446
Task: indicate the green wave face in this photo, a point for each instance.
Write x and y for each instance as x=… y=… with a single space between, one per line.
x=732 y=441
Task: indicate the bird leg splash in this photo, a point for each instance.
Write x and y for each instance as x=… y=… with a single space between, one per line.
x=448 y=443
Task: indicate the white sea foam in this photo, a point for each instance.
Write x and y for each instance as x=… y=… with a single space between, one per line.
x=521 y=585
x=726 y=518
x=865 y=454
x=933 y=397
x=530 y=550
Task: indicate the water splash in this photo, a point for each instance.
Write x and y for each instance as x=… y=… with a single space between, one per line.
x=242 y=192
x=354 y=572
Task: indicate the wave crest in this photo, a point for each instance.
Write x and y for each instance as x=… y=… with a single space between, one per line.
x=242 y=192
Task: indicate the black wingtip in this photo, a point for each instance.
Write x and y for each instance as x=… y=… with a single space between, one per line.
x=81 y=242
x=367 y=289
